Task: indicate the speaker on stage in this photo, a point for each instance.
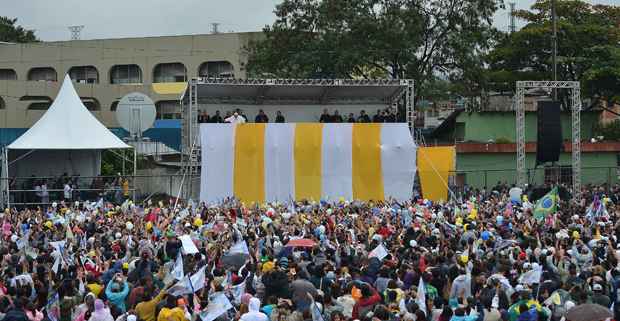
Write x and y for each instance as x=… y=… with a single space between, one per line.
x=549 y=142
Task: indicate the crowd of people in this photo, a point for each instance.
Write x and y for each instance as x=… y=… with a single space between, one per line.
x=41 y=191
x=486 y=257
x=387 y=115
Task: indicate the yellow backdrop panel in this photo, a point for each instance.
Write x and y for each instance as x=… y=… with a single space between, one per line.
x=307 y=156
x=366 y=155
x=249 y=171
x=434 y=167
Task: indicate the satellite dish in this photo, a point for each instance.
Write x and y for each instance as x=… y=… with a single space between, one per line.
x=135 y=112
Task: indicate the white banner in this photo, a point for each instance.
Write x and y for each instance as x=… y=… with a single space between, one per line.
x=398 y=161
x=337 y=163
x=279 y=164
x=218 y=156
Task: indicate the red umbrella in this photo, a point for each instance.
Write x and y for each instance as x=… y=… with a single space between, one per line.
x=301 y=243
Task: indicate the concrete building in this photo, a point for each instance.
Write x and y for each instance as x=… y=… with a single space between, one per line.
x=105 y=70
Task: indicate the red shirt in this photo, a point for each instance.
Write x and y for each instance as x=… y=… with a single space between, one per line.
x=365 y=302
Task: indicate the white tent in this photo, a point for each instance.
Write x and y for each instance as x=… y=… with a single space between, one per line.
x=67 y=139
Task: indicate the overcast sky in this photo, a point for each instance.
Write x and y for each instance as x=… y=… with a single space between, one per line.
x=137 y=18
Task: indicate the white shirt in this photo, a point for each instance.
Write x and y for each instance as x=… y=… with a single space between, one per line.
x=235 y=120
x=68 y=191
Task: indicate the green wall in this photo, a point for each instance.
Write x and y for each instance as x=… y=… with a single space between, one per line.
x=596 y=168
x=482 y=127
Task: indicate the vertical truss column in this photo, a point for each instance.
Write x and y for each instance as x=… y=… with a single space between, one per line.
x=519 y=105
x=409 y=103
x=576 y=139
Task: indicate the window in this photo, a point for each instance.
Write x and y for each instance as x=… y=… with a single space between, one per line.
x=39 y=106
x=168 y=109
x=126 y=74
x=84 y=74
x=216 y=69
x=8 y=74
x=114 y=106
x=91 y=103
x=42 y=74
x=170 y=72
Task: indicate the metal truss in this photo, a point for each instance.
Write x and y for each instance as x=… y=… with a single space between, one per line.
x=300 y=82
x=190 y=142
x=575 y=105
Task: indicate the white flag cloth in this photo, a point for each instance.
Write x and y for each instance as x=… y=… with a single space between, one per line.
x=421 y=297
x=177 y=270
x=189 y=284
x=239 y=247
x=218 y=305
x=316 y=312
x=531 y=277
x=379 y=252
x=188 y=245
x=237 y=291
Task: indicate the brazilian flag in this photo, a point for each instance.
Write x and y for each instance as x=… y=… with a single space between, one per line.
x=547 y=204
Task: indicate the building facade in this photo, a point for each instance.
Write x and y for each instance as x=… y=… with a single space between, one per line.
x=105 y=70
x=486 y=150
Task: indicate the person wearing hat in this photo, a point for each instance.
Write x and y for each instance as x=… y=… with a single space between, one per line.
x=599 y=297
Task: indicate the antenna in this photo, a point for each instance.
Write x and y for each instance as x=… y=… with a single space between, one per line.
x=214 y=27
x=135 y=113
x=513 y=24
x=75 y=32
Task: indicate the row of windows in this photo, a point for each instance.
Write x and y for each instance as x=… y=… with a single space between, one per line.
x=127 y=74
x=166 y=109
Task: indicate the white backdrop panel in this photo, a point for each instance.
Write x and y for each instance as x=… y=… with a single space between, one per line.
x=337 y=162
x=279 y=164
x=398 y=161
x=218 y=158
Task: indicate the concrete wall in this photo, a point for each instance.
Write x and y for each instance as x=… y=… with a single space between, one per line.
x=485 y=126
x=501 y=167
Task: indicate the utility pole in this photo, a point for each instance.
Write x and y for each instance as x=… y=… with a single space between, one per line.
x=76 y=32
x=554 y=19
x=214 y=27
x=513 y=24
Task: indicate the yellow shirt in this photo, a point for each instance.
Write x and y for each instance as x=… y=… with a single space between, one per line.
x=146 y=309
x=95 y=288
x=176 y=314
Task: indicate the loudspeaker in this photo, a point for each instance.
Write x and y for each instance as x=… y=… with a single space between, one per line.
x=549 y=142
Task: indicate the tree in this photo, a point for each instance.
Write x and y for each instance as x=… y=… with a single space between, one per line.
x=415 y=39
x=10 y=32
x=588 y=37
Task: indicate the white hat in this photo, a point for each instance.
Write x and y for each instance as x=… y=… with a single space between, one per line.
x=54 y=205
x=14 y=238
x=413 y=243
x=129 y=226
x=527 y=265
x=131 y=317
x=597 y=287
x=118 y=235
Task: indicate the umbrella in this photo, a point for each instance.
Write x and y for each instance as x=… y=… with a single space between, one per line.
x=301 y=243
x=235 y=260
x=589 y=312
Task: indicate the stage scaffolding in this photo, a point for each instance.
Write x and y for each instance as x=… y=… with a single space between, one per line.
x=314 y=93
x=575 y=107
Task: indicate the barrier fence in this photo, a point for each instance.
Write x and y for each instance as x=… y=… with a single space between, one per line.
x=23 y=191
x=486 y=179
x=143 y=187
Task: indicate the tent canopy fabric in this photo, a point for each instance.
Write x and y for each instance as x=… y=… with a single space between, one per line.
x=68 y=124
